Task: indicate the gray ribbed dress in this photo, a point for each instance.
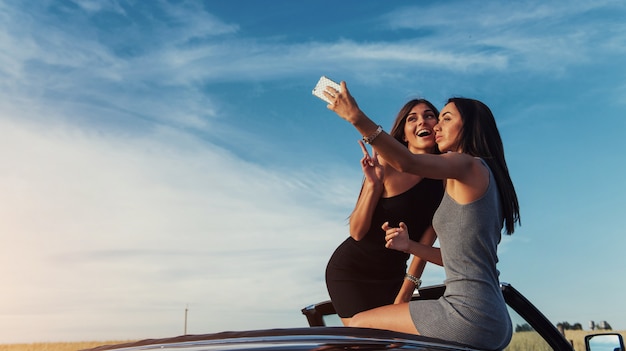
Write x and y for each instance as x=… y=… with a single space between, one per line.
x=472 y=310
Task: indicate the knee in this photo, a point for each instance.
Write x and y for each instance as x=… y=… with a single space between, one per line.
x=359 y=320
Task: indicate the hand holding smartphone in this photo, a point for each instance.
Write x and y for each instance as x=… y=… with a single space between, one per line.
x=321 y=86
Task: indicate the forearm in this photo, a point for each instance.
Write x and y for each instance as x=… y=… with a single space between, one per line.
x=408 y=288
x=406 y=292
x=361 y=217
x=416 y=268
x=396 y=154
x=425 y=252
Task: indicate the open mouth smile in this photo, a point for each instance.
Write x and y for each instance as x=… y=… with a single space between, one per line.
x=424 y=132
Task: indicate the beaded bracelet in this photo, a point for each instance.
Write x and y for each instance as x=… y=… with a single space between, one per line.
x=415 y=280
x=370 y=138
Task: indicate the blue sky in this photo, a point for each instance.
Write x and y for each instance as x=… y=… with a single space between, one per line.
x=158 y=155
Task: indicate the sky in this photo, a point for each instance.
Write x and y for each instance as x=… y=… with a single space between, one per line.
x=162 y=156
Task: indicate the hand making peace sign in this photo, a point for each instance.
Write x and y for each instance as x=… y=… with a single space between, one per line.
x=372 y=169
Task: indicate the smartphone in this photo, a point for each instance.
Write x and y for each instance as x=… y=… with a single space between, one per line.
x=321 y=86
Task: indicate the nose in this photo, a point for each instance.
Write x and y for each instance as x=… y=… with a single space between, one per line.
x=437 y=128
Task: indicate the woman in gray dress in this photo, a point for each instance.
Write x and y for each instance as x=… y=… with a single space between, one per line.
x=479 y=201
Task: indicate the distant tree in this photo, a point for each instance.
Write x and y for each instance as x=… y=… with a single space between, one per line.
x=567 y=326
x=604 y=325
x=523 y=328
x=563 y=325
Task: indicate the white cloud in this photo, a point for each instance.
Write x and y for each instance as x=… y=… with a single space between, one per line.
x=527 y=36
x=105 y=223
x=121 y=209
x=93 y=6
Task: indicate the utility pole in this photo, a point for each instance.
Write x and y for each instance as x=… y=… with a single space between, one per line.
x=186 y=309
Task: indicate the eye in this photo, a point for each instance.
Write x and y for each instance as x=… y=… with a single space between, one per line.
x=411 y=118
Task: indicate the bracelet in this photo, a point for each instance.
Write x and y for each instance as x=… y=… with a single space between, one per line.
x=413 y=279
x=370 y=138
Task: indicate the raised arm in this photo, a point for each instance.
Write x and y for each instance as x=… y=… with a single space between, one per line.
x=371 y=191
x=467 y=178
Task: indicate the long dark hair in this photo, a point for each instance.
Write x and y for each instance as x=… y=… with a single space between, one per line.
x=397 y=130
x=480 y=138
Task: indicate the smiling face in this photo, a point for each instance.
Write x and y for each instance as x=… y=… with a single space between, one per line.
x=448 y=129
x=418 y=129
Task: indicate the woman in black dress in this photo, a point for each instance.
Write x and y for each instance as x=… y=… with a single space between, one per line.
x=362 y=274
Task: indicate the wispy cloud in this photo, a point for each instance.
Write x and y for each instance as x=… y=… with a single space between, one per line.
x=529 y=35
x=119 y=196
x=158 y=221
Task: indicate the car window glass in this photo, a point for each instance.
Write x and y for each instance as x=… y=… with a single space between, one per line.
x=524 y=336
x=332 y=320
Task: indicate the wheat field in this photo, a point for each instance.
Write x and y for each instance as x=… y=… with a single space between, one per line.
x=523 y=341
x=58 y=346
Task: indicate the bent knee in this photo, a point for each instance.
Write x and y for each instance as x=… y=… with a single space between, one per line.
x=360 y=321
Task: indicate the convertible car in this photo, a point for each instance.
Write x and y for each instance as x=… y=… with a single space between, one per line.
x=533 y=331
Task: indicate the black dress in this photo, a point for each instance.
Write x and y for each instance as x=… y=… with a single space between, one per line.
x=364 y=274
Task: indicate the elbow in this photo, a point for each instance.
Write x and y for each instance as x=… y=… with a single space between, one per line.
x=357 y=236
x=357 y=232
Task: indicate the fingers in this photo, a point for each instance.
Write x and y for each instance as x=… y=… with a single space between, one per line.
x=339 y=99
x=385 y=226
x=363 y=148
x=375 y=158
x=390 y=239
x=330 y=97
x=344 y=86
x=367 y=159
x=391 y=235
x=333 y=93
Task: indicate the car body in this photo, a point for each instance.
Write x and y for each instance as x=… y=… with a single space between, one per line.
x=534 y=325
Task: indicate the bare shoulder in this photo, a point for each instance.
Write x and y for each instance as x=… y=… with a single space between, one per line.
x=471 y=182
x=396 y=182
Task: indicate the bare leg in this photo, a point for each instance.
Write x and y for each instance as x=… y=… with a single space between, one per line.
x=391 y=317
x=346 y=321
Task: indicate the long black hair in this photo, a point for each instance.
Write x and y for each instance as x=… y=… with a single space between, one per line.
x=397 y=130
x=480 y=138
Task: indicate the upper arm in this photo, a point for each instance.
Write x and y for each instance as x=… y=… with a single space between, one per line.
x=451 y=165
x=467 y=177
x=462 y=172
x=429 y=237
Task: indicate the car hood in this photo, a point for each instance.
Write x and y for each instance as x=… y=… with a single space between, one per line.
x=317 y=338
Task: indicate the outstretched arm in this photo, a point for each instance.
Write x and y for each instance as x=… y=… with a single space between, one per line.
x=450 y=165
